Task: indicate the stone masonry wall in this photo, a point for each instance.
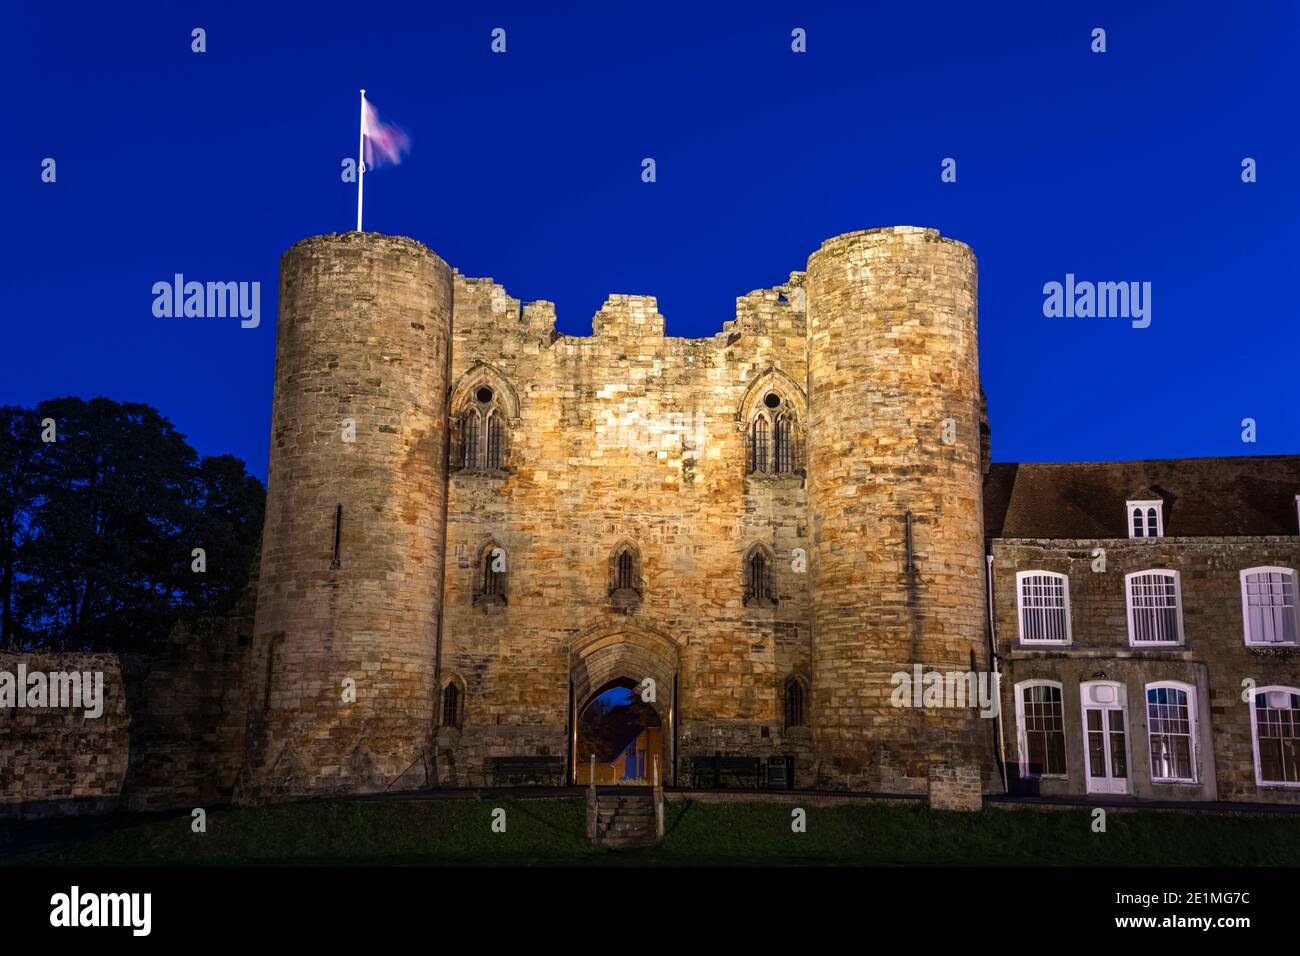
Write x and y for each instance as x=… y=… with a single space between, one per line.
x=59 y=756
x=895 y=431
x=624 y=436
x=171 y=734
x=189 y=708
x=348 y=598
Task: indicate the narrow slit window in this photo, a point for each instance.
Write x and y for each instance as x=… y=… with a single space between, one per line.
x=451 y=705
x=758 y=579
x=338 y=535
x=794 y=703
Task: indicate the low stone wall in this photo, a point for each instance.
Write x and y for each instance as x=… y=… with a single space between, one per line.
x=745 y=738
x=463 y=755
x=171 y=733
x=956 y=787
x=58 y=759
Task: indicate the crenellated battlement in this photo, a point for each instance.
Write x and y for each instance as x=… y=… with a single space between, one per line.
x=700 y=509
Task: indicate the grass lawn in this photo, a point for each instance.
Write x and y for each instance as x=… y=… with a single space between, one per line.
x=551 y=832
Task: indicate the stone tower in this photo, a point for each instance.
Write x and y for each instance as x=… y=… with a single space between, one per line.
x=350 y=584
x=895 y=504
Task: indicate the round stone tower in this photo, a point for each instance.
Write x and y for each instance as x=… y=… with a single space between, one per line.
x=342 y=684
x=894 y=494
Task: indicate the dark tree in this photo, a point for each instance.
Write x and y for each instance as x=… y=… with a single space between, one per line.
x=18 y=443
x=115 y=508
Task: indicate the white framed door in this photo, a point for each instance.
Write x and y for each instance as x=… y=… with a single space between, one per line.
x=1105 y=737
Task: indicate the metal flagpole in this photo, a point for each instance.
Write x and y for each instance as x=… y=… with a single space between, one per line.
x=361 y=158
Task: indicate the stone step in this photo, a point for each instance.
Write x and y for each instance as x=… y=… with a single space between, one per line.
x=625 y=842
x=624 y=802
x=626 y=826
x=631 y=819
x=625 y=820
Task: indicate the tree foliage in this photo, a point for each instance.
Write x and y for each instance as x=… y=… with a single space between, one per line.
x=98 y=527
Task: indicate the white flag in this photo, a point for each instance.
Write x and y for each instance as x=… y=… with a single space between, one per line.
x=385 y=144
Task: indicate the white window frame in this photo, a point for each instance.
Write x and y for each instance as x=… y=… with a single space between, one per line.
x=1254 y=735
x=1178 y=606
x=1245 y=604
x=1020 y=608
x=1193 y=729
x=1022 y=737
x=1145 y=507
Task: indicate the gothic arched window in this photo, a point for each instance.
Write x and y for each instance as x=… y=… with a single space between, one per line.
x=625 y=574
x=482 y=433
x=490 y=585
x=626 y=570
x=759 y=588
x=452 y=704
x=774 y=438
x=795 y=703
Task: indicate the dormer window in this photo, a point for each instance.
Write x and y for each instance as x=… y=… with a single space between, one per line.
x=1146 y=519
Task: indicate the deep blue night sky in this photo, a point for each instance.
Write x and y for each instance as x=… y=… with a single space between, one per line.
x=526 y=167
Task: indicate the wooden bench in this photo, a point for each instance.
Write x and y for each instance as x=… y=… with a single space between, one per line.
x=747 y=771
x=529 y=767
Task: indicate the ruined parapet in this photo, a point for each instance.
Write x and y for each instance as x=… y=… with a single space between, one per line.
x=630 y=316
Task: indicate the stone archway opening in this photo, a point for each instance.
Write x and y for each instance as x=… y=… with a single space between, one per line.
x=641 y=663
x=622 y=732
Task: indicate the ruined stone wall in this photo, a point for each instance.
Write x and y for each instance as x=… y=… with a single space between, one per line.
x=895 y=430
x=171 y=733
x=352 y=604
x=58 y=758
x=623 y=436
x=188 y=705
x=1214 y=658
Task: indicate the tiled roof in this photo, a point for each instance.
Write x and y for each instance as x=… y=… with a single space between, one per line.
x=1204 y=497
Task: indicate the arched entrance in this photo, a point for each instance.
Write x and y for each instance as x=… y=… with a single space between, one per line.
x=623 y=733
x=623 y=696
